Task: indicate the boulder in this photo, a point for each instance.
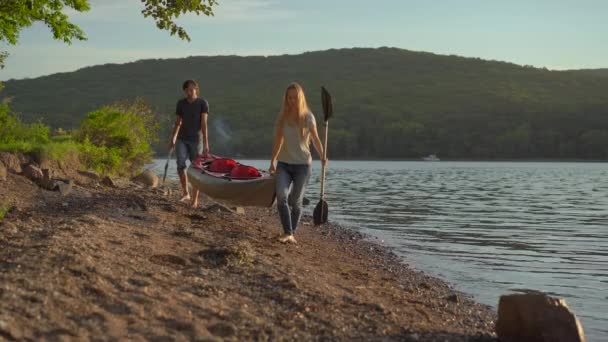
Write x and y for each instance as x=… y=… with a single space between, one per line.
x=47 y=182
x=107 y=181
x=147 y=178
x=33 y=172
x=65 y=188
x=536 y=317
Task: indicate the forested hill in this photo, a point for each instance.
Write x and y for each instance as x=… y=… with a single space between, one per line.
x=389 y=103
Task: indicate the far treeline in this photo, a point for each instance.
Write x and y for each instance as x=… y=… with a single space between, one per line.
x=389 y=103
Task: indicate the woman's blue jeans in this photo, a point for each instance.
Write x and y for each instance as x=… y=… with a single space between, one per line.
x=289 y=203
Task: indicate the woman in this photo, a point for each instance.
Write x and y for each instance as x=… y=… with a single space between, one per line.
x=295 y=127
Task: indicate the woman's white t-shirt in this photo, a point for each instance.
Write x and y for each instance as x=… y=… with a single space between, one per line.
x=296 y=148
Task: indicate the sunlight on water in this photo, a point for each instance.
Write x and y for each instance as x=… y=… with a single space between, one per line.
x=490 y=228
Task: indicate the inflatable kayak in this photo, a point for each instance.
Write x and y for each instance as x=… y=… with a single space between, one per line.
x=227 y=181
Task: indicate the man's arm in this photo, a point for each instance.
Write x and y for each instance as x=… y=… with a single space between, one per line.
x=178 y=124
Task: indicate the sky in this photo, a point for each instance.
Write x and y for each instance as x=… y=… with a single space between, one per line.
x=556 y=34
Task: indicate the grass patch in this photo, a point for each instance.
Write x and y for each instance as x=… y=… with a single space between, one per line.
x=3 y=211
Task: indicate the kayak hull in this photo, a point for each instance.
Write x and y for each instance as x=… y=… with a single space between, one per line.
x=257 y=192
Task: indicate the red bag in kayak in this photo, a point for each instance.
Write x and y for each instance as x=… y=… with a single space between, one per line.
x=223 y=165
x=244 y=171
x=198 y=162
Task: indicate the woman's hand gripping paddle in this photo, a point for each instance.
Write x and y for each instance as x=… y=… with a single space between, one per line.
x=321 y=210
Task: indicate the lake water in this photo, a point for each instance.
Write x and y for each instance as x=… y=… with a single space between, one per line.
x=489 y=228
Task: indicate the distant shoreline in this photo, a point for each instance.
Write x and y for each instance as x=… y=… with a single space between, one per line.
x=160 y=156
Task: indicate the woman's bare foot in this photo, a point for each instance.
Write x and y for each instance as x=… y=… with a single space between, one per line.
x=288 y=239
x=194 y=204
x=185 y=198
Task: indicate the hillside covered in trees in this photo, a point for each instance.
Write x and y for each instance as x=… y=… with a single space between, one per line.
x=389 y=103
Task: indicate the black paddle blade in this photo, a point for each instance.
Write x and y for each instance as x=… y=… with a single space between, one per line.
x=165 y=174
x=328 y=106
x=319 y=215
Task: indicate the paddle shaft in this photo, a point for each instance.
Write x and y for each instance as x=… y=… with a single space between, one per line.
x=322 y=164
x=167 y=165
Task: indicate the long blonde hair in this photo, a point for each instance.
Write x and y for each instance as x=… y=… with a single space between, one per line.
x=301 y=110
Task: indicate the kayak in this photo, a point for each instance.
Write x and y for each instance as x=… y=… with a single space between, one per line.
x=256 y=192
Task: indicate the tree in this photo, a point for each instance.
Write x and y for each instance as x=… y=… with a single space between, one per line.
x=16 y=15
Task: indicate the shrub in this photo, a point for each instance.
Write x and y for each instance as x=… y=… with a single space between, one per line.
x=111 y=140
x=12 y=130
x=117 y=138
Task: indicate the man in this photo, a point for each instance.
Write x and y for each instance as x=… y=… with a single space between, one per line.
x=190 y=124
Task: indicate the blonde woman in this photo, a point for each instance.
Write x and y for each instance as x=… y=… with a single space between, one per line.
x=295 y=128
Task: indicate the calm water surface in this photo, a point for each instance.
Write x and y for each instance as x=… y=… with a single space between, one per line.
x=489 y=228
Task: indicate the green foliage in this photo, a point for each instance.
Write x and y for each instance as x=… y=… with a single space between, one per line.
x=102 y=159
x=112 y=140
x=14 y=132
x=16 y=15
x=60 y=147
x=389 y=103
x=165 y=11
x=3 y=210
x=118 y=137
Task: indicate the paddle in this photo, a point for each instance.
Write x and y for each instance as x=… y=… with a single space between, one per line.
x=167 y=165
x=321 y=210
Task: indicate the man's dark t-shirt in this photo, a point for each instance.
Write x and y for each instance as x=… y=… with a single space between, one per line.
x=190 y=112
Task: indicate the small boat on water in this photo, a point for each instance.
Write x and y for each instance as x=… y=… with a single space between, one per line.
x=431 y=157
x=257 y=191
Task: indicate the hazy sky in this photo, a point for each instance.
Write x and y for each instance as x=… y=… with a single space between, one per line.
x=557 y=34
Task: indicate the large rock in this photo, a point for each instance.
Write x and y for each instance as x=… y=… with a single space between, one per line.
x=65 y=188
x=33 y=172
x=536 y=317
x=147 y=178
x=11 y=162
x=107 y=181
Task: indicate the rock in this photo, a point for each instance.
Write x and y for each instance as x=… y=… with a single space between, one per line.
x=218 y=207
x=11 y=162
x=537 y=317
x=65 y=188
x=453 y=298
x=33 y=172
x=107 y=181
x=147 y=178
x=46 y=182
x=239 y=210
x=222 y=329
x=90 y=174
x=3 y=172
